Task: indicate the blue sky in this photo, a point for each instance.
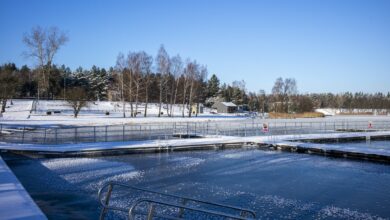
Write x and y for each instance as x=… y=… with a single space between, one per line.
x=328 y=45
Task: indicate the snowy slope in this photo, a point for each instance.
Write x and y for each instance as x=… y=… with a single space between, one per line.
x=94 y=113
x=19 y=109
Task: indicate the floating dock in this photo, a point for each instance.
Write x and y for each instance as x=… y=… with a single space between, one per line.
x=288 y=143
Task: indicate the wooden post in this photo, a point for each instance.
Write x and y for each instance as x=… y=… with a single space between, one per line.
x=123 y=133
x=56 y=135
x=44 y=139
x=106 y=134
x=24 y=128
x=94 y=133
x=75 y=134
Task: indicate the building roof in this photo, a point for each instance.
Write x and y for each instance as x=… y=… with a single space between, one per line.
x=229 y=104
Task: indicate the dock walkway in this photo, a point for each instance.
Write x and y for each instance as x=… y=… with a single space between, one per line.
x=15 y=202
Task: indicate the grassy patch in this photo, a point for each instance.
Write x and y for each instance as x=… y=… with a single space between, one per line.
x=296 y=115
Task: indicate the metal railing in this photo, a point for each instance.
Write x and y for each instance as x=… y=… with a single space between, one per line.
x=35 y=134
x=197 y=212
x=179 y=206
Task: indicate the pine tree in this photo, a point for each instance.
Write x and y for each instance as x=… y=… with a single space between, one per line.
x=213 y=86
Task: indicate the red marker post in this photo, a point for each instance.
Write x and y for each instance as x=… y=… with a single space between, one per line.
x=265 y=128
x=369 y=124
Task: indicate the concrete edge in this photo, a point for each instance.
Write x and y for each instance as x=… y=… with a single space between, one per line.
x=15 y=201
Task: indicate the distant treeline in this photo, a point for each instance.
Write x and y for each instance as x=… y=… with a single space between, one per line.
x=114 y=84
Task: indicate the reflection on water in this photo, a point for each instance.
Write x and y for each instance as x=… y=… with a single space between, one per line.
x=275 y=185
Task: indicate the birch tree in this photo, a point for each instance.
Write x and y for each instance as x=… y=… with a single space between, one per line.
x=146 y=64
x=162 y=62
x=201 y=87
x=192 y=74
x=43 y=45
x=137 y=78
x=283 y=90
x=131 y=62
x=120 y=68
x=185 y=81
x=177 y=72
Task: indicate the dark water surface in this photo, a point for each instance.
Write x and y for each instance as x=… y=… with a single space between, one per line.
x=373 y=144
x=276 y=185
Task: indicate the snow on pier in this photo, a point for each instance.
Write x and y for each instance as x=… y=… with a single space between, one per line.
x=15 y=202
x=282 y=142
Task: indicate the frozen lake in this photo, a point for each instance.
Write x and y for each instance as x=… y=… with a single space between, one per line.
x=274 y=184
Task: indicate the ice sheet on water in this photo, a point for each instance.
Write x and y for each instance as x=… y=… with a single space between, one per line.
x=73 y=164
x=342 y=213
x=238 y=155
x=275 y=206
x=91 y=172
x=187 y=162
x=280 y=202
x=250 y=165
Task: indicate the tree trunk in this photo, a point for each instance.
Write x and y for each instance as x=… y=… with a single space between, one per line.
x=123 y=98
x=190 y=99
x=184 y=96
x=75 y=110
x=172 y=96
x=146 y=100
x=175 y=95
x=161 y=97
x=3 y=105
x=124 y=108
x=131 y=93
x=197 y=109
x=131 y=109
x=167 y=103
x=136 y=101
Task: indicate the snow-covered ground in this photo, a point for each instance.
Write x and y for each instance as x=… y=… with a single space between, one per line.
x=18 y=110
x=94 y=114
x=337 y=111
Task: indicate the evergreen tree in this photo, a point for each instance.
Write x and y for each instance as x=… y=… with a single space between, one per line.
x=98 y=81
x=80 y=78
x=213 y=86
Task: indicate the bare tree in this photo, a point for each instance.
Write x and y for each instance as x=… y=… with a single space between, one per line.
x=177 y=72
x=135 y=68
x=146 y=64
x=120 y=67
x=131 y=62
x=55 y=39
x=42 y=45
x=192 y=71
x=261 y=99
x=201 y=87
x=77 y=99
x=163 y=63
x=290 y=89
x=185 y=82
x=282 y=91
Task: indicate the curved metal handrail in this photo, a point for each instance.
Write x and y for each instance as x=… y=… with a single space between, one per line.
x=153 y=201
x=110 y=185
